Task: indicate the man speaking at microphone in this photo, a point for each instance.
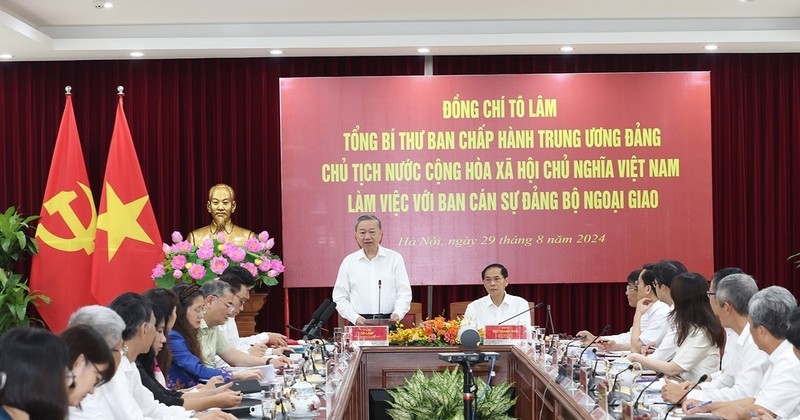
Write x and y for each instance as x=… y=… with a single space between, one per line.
x=372 y=282
x=497 y=306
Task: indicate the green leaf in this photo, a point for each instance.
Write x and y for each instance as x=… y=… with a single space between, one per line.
x=166 y=281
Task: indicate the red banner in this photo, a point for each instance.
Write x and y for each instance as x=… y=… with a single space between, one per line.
x=128 y=242
x=560 y=177
x=62 y=269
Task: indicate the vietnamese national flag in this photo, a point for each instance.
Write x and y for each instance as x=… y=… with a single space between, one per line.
x=128 y=244
x=66 y=230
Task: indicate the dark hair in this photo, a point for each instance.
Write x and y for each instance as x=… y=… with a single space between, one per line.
x=649 y=278
x=164 y=301
x=134 y=310
x=35 y=362
x=187 y=292
x=503 y=270
x=793 y=332
x=692 y=309
x=84 y=340
x=633 y=276
x=666 y=270
x=237 y=277
x=725 y=272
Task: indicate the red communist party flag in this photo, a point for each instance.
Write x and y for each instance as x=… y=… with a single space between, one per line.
x=128 y=244
x=66 y=230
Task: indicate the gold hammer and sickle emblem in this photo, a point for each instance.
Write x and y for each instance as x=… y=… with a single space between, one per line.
x=83 y=236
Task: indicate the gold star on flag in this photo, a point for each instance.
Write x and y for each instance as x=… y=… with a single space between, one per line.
x=119 y=221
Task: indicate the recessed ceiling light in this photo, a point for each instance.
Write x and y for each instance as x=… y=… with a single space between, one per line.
x=711 y=47
x=137 y=54
x=567 y=49
x=423 y=50
x=6 y=56
x=276 y=52
x=102 y=4
x=746 y=1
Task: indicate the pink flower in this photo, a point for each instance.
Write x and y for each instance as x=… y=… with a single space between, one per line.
x=176 y=237
x=197 y=271
x=218 y=265
x=205 y=252
x=158 y=271
x=277 y=265
x=228 y=248
x=208 y=243
x=237 y=255
x=266 y=265
x=270 y=243
x=251 y=268
x=253 y=245
x=272 y=273
x=263 y=236
x=178 y=262
x=177 y=274
x=184 y=246
x=166 y=248
x=221 y=237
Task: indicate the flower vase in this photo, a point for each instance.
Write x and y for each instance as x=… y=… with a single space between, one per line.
x=246 y=320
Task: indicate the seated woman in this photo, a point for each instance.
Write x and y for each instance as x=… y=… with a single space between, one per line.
x=150 y=365
x=699 y=332
x=34 y=375
x=91 y=360
x=187 y=368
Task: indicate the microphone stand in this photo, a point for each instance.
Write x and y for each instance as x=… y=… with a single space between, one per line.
x=550 y=319
x=699 y=381
x=325 y=353
x=636 y=403
x=379 y=297
x=597 y=337
x=614 y=383
x=521 y=313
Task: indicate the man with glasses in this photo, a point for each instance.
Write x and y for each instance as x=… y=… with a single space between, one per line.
x=622 y=340
x=497 y=306
x=242 y=281
x=220 y=303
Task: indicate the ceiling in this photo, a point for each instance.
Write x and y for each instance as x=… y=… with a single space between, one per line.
x=75 y=29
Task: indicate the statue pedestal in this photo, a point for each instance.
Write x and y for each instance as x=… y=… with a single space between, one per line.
x=246 y=320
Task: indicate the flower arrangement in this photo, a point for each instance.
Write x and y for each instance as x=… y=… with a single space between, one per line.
x=186 y=262
x=436 y=332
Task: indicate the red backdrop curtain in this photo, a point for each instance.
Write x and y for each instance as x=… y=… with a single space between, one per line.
x=199 y=122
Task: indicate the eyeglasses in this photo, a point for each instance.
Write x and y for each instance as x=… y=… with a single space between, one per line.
x=631 y=289
x=230 y=305
x=242 y=299
x=709 y=294
x=495 y=279
x=100 y=380
x=200 y=310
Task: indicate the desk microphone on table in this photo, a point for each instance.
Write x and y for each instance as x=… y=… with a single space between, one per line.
x=522 y=313
x=702 y=379
x=659 y=376
x=614 y=384
x=597 y=337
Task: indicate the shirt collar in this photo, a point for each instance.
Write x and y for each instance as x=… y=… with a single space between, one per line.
x=782 y=348
x=381 y=253
x=490 y=304
x=742 y=340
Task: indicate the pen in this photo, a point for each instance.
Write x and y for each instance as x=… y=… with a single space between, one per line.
x=702 y=404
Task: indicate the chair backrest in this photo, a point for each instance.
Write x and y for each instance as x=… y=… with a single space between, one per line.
x=414 y=316
x=459 y=308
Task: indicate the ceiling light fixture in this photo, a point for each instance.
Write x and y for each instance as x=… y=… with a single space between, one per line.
x=567 y=49
x=276 y=52
x=137 y=54
x=423 y=50
x=711 y=47
x=102 y=4
x=6 y=56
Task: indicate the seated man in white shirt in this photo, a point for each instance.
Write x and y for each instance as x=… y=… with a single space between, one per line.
x=259 y=344
x=124 y=397
x=623 y=338
x=777 y=394
x=497 y=306
x=745 y=364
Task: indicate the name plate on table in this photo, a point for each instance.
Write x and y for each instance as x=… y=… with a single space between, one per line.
x=515 y=335
x=371 y=335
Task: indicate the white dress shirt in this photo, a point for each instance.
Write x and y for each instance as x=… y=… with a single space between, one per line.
x=653 y=325
x=669 y=344
x=697 y=355
x=125 y=398
x=357 y=292
x=483 y=312
x=741 y=374
x=781 y=385
x=230 y=331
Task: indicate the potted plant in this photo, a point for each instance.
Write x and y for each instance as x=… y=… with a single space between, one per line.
x=440 y=396
x=15 y=246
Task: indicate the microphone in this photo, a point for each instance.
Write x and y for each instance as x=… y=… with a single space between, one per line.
x=379 y=297
x=597 y=337
x=326 y=314
x=614 y=383
x=636 y=403
x=522 y=313
x=469 y=339
x=699 y=381
x=550 y=317
x=316 y=316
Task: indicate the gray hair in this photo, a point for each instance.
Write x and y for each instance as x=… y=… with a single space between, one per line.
x=365 y=217
x=217 y=288
x=771 y=308
x=736 y=290
x=103 y=320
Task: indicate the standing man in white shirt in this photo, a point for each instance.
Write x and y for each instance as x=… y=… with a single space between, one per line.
x=497 y=306
x=741 y=377
x=770 y=311
x=372 y=282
